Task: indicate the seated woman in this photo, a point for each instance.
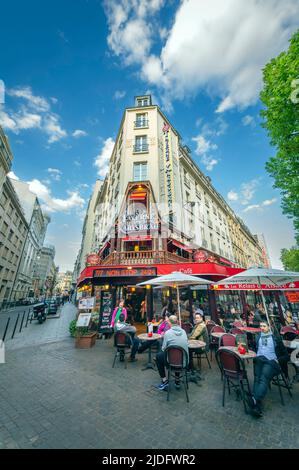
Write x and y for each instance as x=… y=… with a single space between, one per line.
x=163 y=327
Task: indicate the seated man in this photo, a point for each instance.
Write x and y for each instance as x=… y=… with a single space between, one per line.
x=271 y=354
x=199 y=332
x=124 y=327
x=176 y=336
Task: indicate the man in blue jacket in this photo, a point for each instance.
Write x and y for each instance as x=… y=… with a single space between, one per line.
x=272 y=356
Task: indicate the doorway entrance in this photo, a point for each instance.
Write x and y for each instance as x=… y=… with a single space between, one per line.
x=135 y=298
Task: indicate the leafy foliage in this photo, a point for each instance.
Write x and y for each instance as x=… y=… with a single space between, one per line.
x=280 y=96
x=290 y=259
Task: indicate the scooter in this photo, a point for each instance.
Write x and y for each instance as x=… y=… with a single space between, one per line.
x=39 y=312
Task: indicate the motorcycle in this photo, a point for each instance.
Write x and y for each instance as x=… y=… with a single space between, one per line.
x=39 y=312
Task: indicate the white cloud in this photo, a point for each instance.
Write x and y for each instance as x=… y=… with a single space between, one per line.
x=248 y=121
x=215 y=45
x=102 y=160
x=24 y=119
x=252 y=207
x=77 y=163
x=232 y=196
x=202 y=145
x=20 y=121
x=209 y=162
x=12 y=175
x=55 y=173
x=131 y=29
x=248 y=190
x=79 y=133
x=118 y=95
x=53 y=128
x=52 y=204
x=260 y=207
x=269 y=202
x=38 y=103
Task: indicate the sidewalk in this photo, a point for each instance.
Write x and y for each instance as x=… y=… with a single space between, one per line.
x=53 y=329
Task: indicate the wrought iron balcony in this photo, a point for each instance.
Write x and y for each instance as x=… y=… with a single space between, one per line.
x=140 y=148
x=141 y=123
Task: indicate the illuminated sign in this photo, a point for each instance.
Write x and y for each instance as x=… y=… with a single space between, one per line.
x=138 y=221
x=168 y=165
x=124 y=272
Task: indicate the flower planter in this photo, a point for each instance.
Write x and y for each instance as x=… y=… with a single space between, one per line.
x=85 y=342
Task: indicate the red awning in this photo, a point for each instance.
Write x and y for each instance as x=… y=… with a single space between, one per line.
x=180 y=245
x=205 y=269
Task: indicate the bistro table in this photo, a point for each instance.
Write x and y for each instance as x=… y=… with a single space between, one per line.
x=145 y=337
x=248 y=355
x=194 y=344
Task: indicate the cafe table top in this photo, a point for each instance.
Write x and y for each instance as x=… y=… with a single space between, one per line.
x=145 y=337
x=248 y=355
x=196 y=344
x=291 y=344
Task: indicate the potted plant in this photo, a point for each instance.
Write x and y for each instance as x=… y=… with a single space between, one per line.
x=84 y=337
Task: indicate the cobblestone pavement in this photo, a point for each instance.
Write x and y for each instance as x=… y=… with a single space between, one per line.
x=53 y=329
x=55 y=396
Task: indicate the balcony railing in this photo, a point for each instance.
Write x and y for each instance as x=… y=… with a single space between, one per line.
x=142 y=257
x=187 y=182
x=140 y=148
x=141 y=123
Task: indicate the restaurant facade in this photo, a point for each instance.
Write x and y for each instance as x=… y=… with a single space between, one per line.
x=155 y=213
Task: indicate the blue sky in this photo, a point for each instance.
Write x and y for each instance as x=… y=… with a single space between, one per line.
x=71 y=67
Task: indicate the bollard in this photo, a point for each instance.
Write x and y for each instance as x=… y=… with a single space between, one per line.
x=14 y=330
x=6 y=328
x=22 y=322
x=27 y=318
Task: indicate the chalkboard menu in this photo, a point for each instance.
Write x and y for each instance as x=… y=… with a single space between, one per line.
x=106 y=311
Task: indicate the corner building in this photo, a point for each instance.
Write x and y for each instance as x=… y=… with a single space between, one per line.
x=156 y=212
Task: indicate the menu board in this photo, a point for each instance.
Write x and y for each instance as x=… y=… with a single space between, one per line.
x=106 y=311
x=86 y=303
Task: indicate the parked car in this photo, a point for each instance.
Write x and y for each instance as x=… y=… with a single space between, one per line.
x=52 y=306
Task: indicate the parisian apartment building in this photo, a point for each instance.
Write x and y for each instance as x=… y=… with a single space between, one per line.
x=44 y=275
x=150 y=157
x=23 y=227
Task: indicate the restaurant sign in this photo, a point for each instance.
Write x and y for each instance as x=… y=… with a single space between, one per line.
x=138 y=221
x=168 y=165
x=289 y=286
x=93 y=260
x=125 y=272
x=201 y=256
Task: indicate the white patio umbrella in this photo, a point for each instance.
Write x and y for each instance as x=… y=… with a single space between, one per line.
x=176 y=279
x=261 y=276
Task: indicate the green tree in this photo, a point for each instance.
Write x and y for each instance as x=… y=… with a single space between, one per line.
x=280 y=95
x=290 y=259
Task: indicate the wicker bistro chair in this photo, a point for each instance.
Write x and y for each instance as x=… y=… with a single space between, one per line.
x=177 y=363
x=233 y=373
x=227 y=340
x=122 y=342
x=214 y=342
x=187 y=327
x=236 y=331
x=281 y=382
